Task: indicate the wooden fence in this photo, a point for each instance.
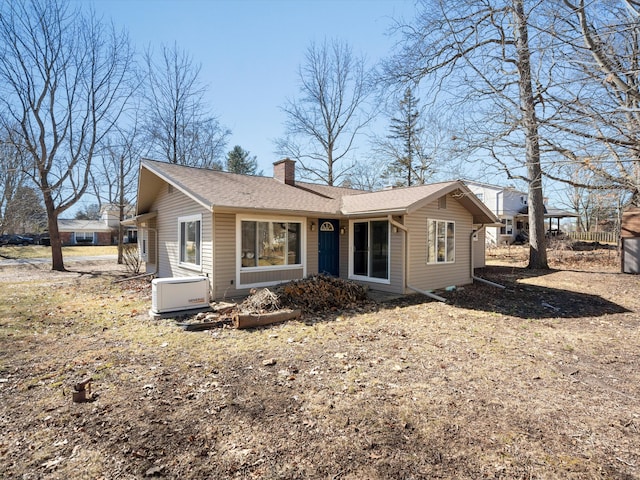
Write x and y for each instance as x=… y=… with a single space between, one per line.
x=600 y=237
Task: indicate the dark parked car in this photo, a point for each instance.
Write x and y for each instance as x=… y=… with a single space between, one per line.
x=15 y=240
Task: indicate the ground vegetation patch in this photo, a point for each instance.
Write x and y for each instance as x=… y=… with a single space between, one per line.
x=540 y=379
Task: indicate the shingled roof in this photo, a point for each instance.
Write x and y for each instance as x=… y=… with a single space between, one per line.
x=223 y=191
x=218 y=190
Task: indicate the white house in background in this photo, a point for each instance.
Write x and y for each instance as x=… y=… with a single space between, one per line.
x=511 y=208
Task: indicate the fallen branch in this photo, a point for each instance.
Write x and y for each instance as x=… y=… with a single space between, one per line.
x=248 y=320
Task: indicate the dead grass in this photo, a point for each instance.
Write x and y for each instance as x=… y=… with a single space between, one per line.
x=494 y=384
x=40 y=251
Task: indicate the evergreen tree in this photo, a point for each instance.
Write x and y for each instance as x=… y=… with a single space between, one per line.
x=240 y=161
x=404 y=143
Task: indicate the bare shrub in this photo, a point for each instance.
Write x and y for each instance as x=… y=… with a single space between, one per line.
x=131 y=258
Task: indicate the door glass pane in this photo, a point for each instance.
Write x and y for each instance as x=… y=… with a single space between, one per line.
x=380 y=249
x=361 y=248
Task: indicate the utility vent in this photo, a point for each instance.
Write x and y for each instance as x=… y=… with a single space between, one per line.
x=174 y=294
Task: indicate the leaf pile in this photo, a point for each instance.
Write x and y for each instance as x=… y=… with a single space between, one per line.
x=321 y=293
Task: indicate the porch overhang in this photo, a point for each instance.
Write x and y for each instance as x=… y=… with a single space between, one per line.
x=139 y=219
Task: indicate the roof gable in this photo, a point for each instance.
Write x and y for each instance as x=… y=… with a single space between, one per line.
x=409 y=199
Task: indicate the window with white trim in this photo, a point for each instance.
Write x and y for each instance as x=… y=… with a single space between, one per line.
x=270 y=244
x=84 y=237
x=507 y=228
x=190 y=234
x=441 y=241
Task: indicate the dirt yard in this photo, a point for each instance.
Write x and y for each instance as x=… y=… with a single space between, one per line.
x=540 y=380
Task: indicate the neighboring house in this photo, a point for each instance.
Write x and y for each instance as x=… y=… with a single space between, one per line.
x=94 y=232
x=510 y=206
x=85 y=232
x=244 y=232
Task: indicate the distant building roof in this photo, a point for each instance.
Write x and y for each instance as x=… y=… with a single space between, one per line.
x=72 y=225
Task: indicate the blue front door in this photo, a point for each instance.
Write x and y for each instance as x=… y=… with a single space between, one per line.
x=329 y=247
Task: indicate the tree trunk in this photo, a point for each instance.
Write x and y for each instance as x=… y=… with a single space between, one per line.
x=537 y=241
x=121 y=212
x=57 y=261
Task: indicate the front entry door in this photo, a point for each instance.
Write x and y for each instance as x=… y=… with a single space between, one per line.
x=329 y=247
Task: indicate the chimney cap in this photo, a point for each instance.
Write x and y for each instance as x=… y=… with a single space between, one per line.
x=283 y=161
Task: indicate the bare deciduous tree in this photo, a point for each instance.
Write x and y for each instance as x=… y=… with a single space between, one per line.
x=12 y=178
x=324 y=121
x=478 y=53
x=181 y=130
x=63 y=81
x=596 y=102
x=115 y=176
x=366 y=175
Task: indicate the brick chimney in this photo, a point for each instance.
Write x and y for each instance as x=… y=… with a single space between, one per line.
x=285 y=171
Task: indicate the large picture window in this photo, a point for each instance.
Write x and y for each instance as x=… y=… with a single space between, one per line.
x=84 y=238
x=441 y=243
x=190 y=239
x=371 y=249
x=269 y=244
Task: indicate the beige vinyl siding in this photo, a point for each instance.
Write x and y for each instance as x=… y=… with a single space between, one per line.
x=225 y=256
x=279 y=276
x=344 y=249
x=172 y=204
x=479 y=248
x=398 y=256
x=425 y=276
x=312 y=247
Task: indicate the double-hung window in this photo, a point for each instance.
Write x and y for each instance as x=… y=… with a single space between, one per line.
x=507 y=228
x=270 y=244
x=441 y=241
x=190 y=229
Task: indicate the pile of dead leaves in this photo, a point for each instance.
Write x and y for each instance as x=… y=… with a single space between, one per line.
x=322 y=293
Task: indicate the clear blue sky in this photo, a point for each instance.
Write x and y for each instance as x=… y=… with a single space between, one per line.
x=250 y=50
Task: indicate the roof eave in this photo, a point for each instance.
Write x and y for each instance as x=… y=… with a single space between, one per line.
x=188 y=192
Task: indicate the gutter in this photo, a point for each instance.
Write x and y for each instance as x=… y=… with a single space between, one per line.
x=473 y=277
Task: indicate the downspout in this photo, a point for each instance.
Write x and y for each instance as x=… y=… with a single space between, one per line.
x=473 y=277
x=407 y=263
